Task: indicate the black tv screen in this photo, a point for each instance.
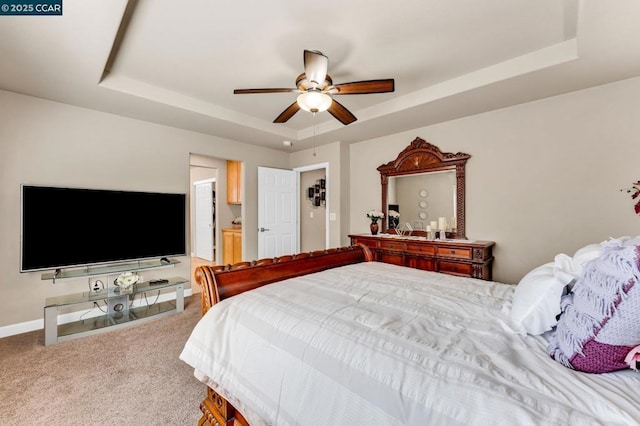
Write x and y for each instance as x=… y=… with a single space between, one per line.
x=64 y=227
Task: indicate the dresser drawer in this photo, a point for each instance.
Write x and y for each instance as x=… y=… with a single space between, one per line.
x=392 y=258
x=461 y=253
x=421 y=249
x=465 y=259
x=392 y=245
x=424 y=263
x=465 y=269
x=364 y=241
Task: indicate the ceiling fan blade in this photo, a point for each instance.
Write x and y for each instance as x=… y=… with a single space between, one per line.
x=364 y=87
x=341 y=113
x=246 y=91
x=287 y=113
x=315 y=67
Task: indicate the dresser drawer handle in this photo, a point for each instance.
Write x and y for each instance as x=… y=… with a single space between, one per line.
x=452 y=252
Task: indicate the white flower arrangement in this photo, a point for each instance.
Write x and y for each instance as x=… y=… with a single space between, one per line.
x=375 y=214
x=127 y=279
x=393 y=213
x=237 y=220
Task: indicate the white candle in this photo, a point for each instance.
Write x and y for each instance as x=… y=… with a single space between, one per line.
x=442 y=223
x=434 y=224
x=428 y=228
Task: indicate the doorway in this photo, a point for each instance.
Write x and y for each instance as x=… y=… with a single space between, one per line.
x=284 y=204
x=277 y=208
x=205 y=219
x=203 y=168
x=313 y=210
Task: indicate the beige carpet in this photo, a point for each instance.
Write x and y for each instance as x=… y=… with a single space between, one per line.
x=130 y=376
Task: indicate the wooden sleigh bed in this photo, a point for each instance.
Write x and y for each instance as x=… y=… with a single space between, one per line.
x=221 y=282
x=465 y=366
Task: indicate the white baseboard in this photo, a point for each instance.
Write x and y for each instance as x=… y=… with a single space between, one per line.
x=24 y=327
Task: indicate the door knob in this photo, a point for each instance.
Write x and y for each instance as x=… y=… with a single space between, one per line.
x=263 y=229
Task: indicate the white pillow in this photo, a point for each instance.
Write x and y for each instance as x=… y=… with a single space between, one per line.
x=564 y=269
x=536 y=301
x=585 y=255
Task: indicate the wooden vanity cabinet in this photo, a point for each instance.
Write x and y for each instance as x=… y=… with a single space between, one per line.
x=463 y=258
x=231 y=246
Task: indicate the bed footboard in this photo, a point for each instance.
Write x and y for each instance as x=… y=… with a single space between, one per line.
x=221 y=282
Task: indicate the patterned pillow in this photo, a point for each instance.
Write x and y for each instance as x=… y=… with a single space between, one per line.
x=599 y=323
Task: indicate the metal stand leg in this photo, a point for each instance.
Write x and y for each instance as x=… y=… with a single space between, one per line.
x=50 y=325
x=180 y=298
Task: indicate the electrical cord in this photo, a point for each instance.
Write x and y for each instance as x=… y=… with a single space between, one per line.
x=132 y=299
x=98 y=306
x=89 y=310
x=147 y=300
x=97 y=287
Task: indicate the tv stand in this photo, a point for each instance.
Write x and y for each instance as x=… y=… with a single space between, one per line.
x=90 y=271
x=114 y=302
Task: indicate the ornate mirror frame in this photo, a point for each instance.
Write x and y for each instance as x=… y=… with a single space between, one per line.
x=422 y=157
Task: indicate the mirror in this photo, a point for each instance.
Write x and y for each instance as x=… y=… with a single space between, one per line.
x=426 y=187
x=422 y=198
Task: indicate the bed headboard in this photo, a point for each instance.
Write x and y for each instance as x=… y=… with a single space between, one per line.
x=221 y=282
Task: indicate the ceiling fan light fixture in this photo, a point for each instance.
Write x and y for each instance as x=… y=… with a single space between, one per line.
x=314 y=101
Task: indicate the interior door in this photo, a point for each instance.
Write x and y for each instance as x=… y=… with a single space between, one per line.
x=277 y=212
x=204 y=218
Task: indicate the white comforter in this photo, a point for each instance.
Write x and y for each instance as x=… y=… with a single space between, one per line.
x=378 y=344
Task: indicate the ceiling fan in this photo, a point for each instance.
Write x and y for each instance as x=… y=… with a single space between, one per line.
x=316 y=90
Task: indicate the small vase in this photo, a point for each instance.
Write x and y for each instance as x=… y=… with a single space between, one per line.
x=374 y=226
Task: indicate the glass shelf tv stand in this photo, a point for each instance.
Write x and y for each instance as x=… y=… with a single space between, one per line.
x=121 y=316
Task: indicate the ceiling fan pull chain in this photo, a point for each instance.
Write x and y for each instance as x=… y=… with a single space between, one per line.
x=315 y=128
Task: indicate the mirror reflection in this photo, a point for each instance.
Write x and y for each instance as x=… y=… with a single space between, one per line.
x=421 y=199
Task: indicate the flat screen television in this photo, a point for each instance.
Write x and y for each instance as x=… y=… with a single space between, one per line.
x=68 y=227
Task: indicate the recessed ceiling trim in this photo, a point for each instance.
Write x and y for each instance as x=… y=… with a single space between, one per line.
x=551 y=56
x=117 y=41
x=158 y=94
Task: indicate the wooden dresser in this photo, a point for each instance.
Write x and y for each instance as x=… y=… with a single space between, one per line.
x=466 y=258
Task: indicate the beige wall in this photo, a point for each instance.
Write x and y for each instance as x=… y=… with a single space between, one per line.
x=543 y=178
x=43 y=142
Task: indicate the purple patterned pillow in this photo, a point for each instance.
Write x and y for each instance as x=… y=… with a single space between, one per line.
x=599 y=323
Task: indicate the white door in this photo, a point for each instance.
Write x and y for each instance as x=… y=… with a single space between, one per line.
x=204 y=219
x=277 y=212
